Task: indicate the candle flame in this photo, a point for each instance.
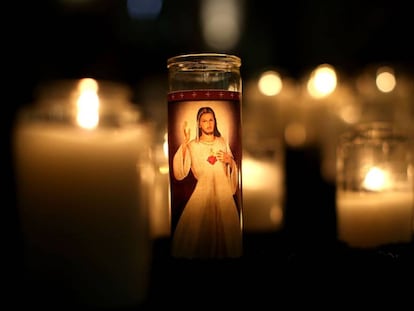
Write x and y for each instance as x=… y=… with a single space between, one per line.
x=385 y=80
x=322 y=82
x=376 y=179
x=270 y=83
x=87 y=115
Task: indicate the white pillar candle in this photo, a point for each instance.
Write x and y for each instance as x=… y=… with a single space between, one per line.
x=82 y=198
x=371 y=219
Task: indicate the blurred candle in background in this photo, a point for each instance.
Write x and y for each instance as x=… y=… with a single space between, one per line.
x=342 y=112
x=385 y=95
x=374 y=186
x=151 y=95
x=263 y=191
x=263 y=154
x=83 y=177
x=160 y=203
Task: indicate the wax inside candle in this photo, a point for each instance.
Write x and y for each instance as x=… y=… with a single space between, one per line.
x=370 y=219
x=160 y=203
x=262 y=195
x=82 y=199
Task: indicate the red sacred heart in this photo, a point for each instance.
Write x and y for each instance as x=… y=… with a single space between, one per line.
x=212 y=159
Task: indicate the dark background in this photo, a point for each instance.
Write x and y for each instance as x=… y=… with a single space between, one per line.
x=52 y=40
x=61 y=39
x=47 y=40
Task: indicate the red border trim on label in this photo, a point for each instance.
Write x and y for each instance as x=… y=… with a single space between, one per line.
x=203 y=95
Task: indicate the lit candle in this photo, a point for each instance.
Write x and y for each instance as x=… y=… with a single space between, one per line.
x=374 y=218
x=263 y=194
x=82 y=194
x=374 y=199
x=160 y=203
x=263 y=153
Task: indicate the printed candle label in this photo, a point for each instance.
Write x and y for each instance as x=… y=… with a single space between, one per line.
x=204 y=139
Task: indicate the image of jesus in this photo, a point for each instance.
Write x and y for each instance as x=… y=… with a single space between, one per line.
x=209 y=225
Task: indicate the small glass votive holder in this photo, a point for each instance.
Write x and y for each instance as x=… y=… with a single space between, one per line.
x=374 y=186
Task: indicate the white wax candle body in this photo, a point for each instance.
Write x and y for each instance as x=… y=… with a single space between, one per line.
x=83 y=210
x=160 y=207
x=262 y=195
x=372 y=219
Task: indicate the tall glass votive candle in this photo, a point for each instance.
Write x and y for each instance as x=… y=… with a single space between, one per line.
x=83 y=176
x=205 y=155
x=374 y=197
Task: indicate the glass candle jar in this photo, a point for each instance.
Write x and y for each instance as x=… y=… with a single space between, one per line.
x=205 y=155
x=374 y=197
x=81 y=154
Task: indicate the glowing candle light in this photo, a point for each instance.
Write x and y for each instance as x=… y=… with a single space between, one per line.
x=376 y=179
x=263 y=153
x=82 y=182
x=263 y=194
x=376 y=209
x=160 y=204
